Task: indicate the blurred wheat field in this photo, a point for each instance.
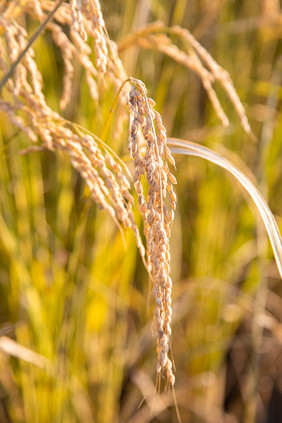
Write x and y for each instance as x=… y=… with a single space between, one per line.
x=77 y=329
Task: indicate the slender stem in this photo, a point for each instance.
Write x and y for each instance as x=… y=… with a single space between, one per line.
x=36 y=34
x=111 y=111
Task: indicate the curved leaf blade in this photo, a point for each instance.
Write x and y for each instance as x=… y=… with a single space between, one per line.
x=180 y=146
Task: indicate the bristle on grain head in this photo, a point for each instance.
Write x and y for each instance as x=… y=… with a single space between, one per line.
x=157 y=209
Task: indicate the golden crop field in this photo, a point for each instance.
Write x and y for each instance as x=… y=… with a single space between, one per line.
x=140 y=211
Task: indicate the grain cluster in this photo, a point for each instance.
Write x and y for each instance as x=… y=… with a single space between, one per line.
x=75 y=27
x=180 y=45
x=157 y=209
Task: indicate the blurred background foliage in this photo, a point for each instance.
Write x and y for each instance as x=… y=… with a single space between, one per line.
x=73 y=292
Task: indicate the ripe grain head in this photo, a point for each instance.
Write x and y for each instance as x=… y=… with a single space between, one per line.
x=151 y=168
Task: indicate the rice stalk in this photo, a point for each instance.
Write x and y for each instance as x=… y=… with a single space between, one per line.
x=196 y=58
x=157 y=217
x=26 y=106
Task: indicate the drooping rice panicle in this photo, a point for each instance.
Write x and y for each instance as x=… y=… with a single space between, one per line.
x=151 y=168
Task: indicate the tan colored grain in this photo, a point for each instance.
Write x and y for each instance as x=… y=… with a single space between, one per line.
x=151 y=168
x=106 y=180
x=195 y=57
x=219 y=74
x=77 y=19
